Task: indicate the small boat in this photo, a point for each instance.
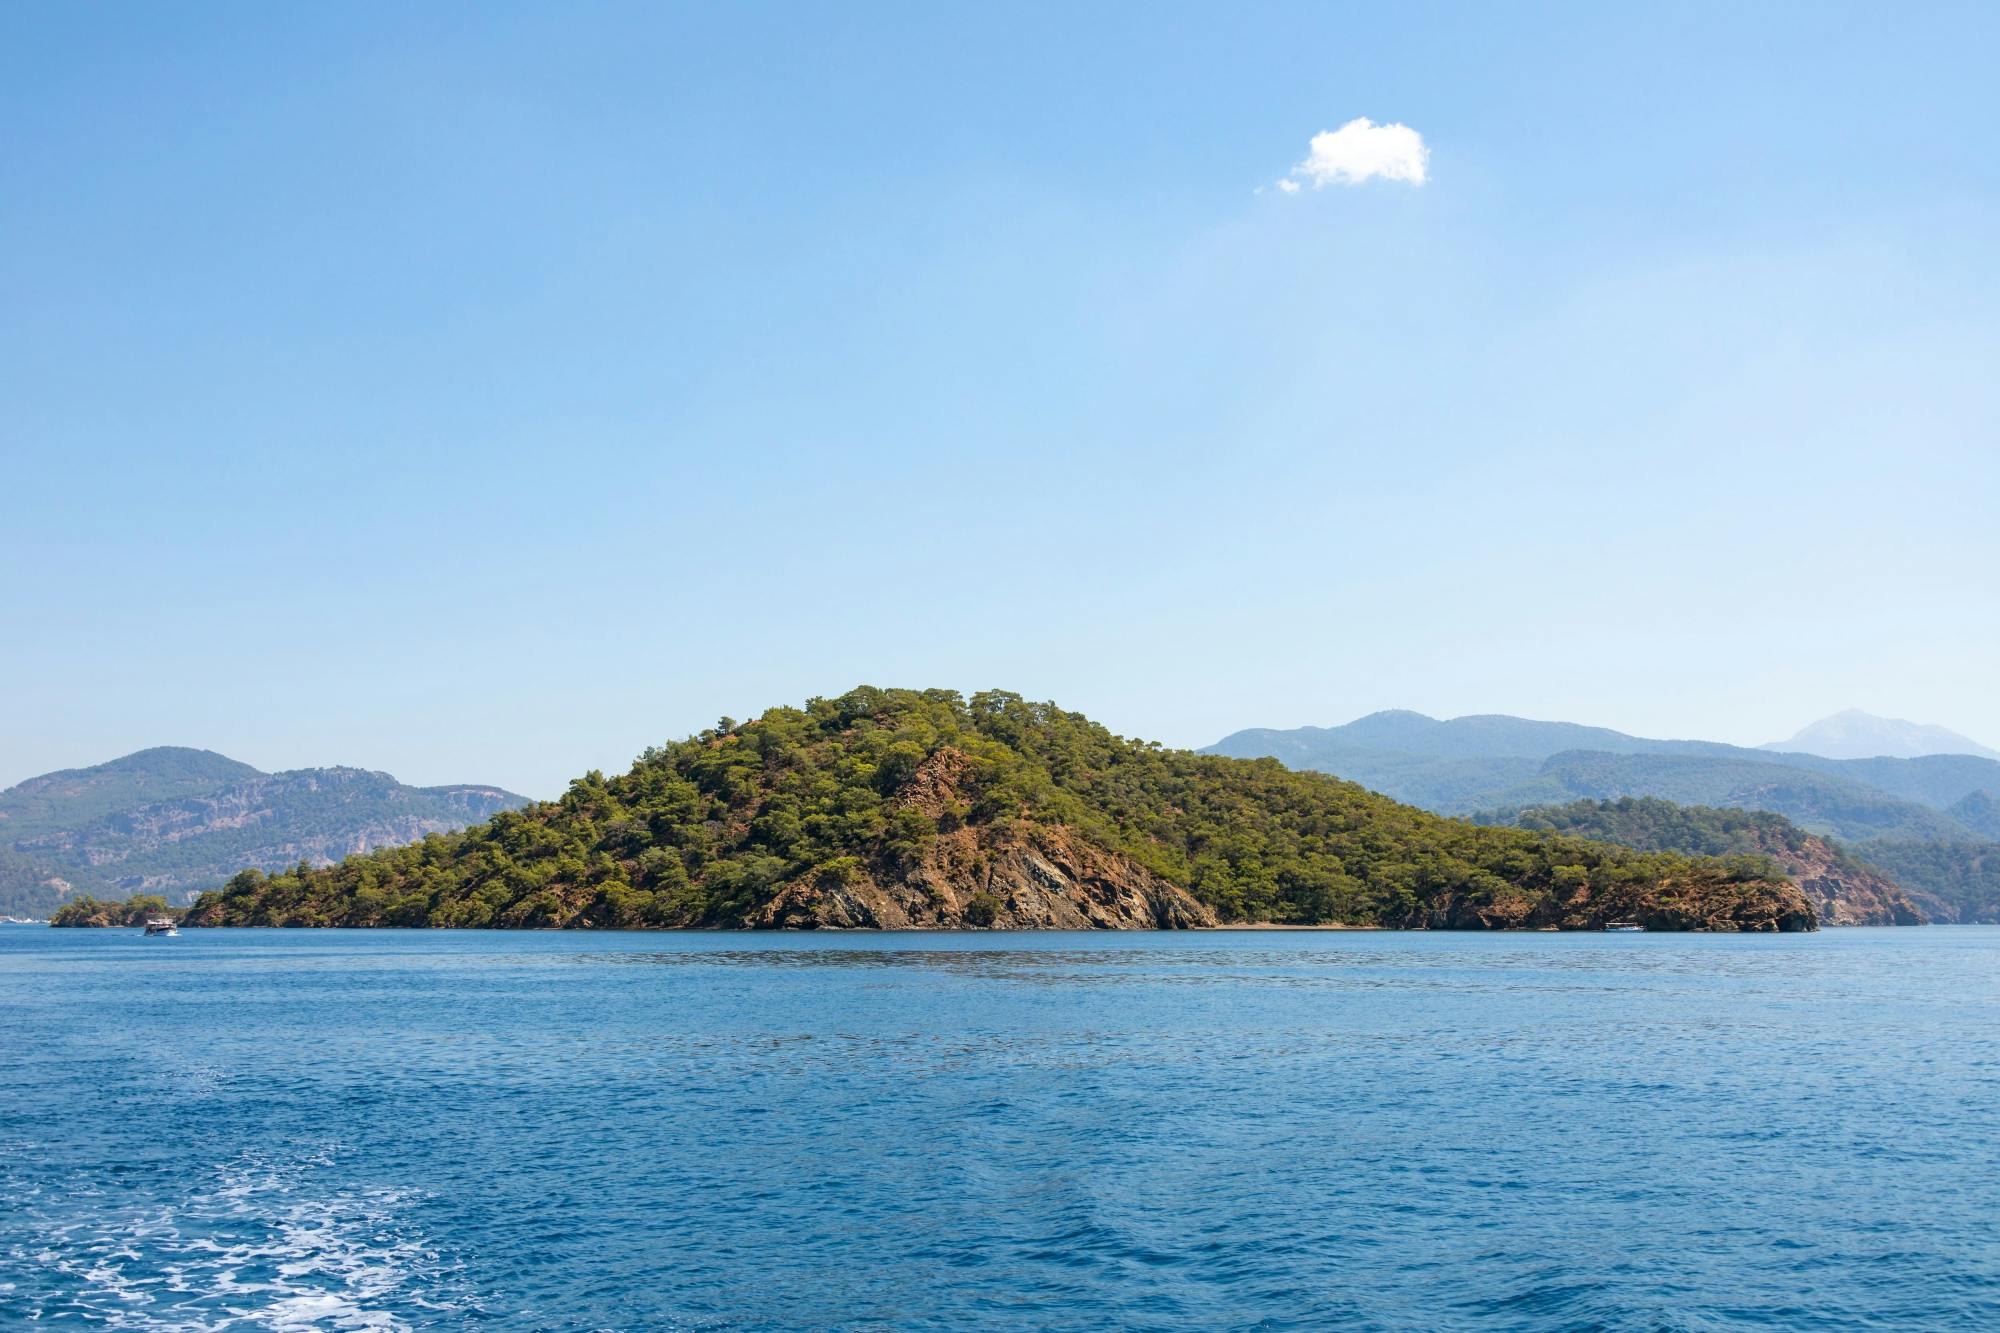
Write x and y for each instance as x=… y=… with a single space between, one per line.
x=162 y=925
x=1623 y=925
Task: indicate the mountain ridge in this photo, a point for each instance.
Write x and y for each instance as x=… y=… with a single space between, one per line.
x=174 y=820
x=160 y=772
x=1434 y=756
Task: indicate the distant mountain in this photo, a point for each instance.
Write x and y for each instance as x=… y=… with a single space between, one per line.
x=1858 y=735
x=176 y=821
x=1453 y=767
x=1478 y=736
x=1484 y=762
x=1833 y=804
x=76 y=796
x=1846 y=891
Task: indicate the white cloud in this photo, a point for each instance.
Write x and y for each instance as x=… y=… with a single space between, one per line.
x=1359 y=151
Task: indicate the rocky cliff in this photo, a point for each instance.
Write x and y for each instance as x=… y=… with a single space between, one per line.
x=1844 y=891
x=1047 y=879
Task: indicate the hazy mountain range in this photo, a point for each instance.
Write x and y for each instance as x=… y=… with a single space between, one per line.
x=1934 y=819
x=1858 y=735
x=175 y=821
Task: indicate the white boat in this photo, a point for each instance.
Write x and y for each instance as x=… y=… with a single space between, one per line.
x=162 y=925
x=1623 y=925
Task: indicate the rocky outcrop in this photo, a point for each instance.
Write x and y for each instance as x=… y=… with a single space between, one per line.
x=1030 y=877
x=1041 y=879
x=1843 y=891
x=1696 y=902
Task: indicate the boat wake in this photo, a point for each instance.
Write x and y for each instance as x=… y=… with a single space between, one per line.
x=255 y=1248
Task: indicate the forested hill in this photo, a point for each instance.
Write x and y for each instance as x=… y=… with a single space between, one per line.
x=1936 y=816
x=897 y=808
x=1846 y=890
x=76 y=796
x=175 y=821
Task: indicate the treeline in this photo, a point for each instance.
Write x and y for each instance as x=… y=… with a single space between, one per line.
x=1652 y=824
x=134 y=911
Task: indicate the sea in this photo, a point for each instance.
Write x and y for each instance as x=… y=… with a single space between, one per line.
x=266 y=1129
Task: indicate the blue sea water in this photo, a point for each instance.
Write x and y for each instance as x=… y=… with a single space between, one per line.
x=377 y=1129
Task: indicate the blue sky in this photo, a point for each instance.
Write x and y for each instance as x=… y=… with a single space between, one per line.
x=483 y=394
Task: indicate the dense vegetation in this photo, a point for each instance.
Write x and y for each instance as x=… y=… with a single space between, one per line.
x=1846 y=890
x=176 y=821
x=703 y=831
x=133 y=911
x=1978 y=811
x=1955 y=881
x=1651 y=824
x=1952 y=879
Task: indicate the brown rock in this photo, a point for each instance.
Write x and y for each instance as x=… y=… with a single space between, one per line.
x=1035 y=878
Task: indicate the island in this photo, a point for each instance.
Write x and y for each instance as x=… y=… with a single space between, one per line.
x=134 y=911
x=922 y=809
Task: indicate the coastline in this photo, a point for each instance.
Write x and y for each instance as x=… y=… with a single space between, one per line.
x=1290 y=925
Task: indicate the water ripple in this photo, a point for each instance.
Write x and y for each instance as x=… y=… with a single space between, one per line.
x=425 y=1130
